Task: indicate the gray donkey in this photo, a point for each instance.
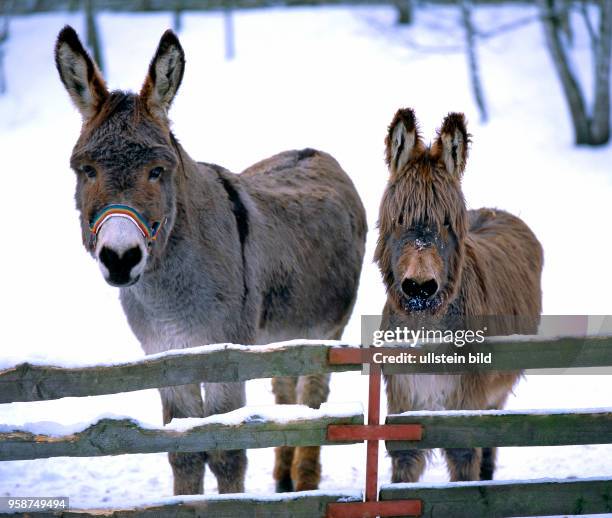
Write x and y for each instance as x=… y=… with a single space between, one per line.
x=205 y=256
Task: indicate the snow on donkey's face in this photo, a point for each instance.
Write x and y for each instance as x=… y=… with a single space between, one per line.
x=125 y=158
x=423 y=219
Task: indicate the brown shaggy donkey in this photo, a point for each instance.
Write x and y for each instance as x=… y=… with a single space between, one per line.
x=205 y=256
x=443 y=264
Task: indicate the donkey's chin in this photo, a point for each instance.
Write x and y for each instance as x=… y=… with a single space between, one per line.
x=420 y=304
x=122 y=284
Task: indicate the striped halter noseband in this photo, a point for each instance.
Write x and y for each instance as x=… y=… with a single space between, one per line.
x=148 y=231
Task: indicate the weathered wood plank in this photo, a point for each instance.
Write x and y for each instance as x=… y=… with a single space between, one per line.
x=504 y=428
x=119 y=436
x=306 y=504
x=28 y=382
x=495 y=499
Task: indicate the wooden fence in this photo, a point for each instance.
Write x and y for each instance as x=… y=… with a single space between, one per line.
x=258 y=428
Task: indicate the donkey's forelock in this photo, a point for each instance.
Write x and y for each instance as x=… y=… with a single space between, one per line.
x=124 y=135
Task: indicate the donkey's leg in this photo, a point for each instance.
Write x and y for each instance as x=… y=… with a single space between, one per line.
x=312 y=390
x=489 y=455
x=187 y=468
x=228 y=466
x=487 y=466
x=463 y=463
x=407 y=465
x=284 y=394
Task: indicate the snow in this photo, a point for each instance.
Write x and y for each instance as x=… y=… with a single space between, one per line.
x=340 y=496
x=329 y=78
x=269 y=413
x=47 y=359
x=53 y=429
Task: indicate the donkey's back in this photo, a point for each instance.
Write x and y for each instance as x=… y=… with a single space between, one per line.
x=502 y=273
x=312 y=221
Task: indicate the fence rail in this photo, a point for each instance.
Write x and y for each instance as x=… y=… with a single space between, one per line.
x=113 y=436
x=458 y=500
x=464 y=429
x=507 y=498
x=308 y=504
x=229 y=363
x=28 y=382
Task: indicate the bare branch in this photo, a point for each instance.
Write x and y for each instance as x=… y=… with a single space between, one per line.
x=473 y=65
x=584 y=9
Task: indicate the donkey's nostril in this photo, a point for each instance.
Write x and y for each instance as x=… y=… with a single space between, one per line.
x=422 y=290
x=120 y=267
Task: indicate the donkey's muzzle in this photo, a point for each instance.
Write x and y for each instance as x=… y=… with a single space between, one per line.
x=419 y=294
x=120 y=266
x=423 y=290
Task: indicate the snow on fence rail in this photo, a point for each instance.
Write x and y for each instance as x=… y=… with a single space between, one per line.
x=245 y=428
x=295 y=425
x=33 y=381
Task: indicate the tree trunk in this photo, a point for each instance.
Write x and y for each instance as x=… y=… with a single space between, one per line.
x=474 y=68
x=405 y=11
x=600 y=123
x=230 y=49
x=571 y=88
x=4 y=34
x=93 y=40
x=177 y=20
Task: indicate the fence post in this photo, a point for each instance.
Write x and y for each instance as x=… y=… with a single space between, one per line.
x=371 y=494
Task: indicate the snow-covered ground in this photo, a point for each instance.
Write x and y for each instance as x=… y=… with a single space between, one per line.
x=325 y=78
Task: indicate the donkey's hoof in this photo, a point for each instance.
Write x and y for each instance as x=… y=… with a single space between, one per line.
x=284 y=485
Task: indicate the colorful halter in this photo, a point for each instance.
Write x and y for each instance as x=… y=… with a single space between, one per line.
x=148 y=231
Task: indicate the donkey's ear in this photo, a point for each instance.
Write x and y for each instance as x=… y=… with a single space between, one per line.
x=452 y=143
x=165 y=75
x=402 y=140
x=79 y=73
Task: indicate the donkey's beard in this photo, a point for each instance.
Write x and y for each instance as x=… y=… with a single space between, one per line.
x=417 y=304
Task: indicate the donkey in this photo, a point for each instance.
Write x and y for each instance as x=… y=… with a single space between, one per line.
x=205 y=256
x=442 y=265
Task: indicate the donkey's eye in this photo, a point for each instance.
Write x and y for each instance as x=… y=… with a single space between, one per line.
x=155 y=173
x=88 y=171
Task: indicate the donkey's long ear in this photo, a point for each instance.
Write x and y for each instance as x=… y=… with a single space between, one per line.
x=402 y=141
x=79 y=73
x=165 y=75
x=452 y=143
